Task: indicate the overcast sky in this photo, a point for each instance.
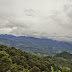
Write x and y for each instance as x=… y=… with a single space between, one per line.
x=37 y=18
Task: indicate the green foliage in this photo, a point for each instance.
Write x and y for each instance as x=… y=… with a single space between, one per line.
x=34 y=69
x=66 y=69
x=16 y=60
x=14 y=68
x=8 y=71
x=5 y=61
x=52 y=70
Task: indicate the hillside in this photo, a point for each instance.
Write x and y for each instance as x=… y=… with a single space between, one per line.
x=36 y=45
x=63 y=59
x=16 y=60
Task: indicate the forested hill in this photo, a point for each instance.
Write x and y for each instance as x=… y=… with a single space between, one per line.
x=16 y=60
x=36 y=45
x=65 y=55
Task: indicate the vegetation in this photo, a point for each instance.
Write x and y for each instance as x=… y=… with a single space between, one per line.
x=16 y=60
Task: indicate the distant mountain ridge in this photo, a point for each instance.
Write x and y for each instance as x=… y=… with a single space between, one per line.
x=35 y=45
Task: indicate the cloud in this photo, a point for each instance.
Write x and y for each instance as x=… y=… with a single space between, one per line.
x=37 y=18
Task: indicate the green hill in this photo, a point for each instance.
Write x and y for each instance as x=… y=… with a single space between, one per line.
x=63 y=59
x=16 y=60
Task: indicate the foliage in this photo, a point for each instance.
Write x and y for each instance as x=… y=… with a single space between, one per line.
x=5 y=61
x=16 y=60
x=66 y=69
x=34 y=69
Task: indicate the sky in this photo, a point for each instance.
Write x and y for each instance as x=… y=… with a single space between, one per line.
x=37 y=18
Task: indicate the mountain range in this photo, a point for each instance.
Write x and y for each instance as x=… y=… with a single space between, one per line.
x=37 y=46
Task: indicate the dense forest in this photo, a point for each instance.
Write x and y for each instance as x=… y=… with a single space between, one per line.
x=16 y=60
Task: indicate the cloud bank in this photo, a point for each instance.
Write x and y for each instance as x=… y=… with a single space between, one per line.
x=37 y=18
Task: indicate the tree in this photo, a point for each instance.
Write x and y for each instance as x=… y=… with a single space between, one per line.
x=5 y=61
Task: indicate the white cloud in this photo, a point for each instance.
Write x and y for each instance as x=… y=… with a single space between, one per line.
x=38 y=18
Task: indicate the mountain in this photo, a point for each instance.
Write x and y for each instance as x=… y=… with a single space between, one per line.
x=16 y=60
x=36 y=45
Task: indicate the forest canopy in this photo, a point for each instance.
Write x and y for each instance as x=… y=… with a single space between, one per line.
x=16 y=60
